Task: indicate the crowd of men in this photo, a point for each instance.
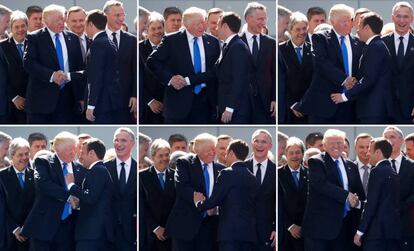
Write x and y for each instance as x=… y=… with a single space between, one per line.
x=199 y=67
x=77 y=195
x=328 y=202
x=192 y=202
x=61 y=66
x=353 y=70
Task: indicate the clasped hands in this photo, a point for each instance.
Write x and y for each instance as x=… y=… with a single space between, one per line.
x=73 y=200
x=59 y=77
x=198 y=197
x=353 y=199
x=348 y=84
x=178 y=82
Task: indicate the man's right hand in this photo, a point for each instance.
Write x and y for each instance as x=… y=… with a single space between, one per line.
x=156 y=106
x=198 y=197
x=19 y=235
x=295 y=231
x=19 y=103
x=160 y=233
x=59 y=77
x=178 y=82
x=350 y=82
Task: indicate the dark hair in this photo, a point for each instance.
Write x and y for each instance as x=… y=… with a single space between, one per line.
x=240 y=148
x=374 y=21
x=176 y=138
x=74 y=9
x=214 y=11
x=361 y=11
x=232 y=19
x=97 y=146
x=33 y=9
x=312 y=11
x=383 y=145
x=409 y=137
x=170 y=11
x=312 y=138
x=97 y=18
x=36 y=136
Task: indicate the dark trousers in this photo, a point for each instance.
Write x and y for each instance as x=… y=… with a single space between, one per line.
x=407 y=244
x=121 y=243
x=235 y=246
x=93 y=245
x=16 y=245
x=205 y=240
x=344 y=115
x=261 y=113
x=52 y=118
x=293 y=244
x=380 y=245
x=17 y=116
x=156 y=245
x=372 y=120
x=112 y=117
x=62 y=241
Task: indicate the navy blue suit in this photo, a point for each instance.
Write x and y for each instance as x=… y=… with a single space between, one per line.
x=3 y=88
x=235 y=194
x=124 y=207
x=373 y=91
x=3 y=229
x=329 y=73
x=265 y=206
x=380 y=221
x=281 y=95
x=235 y=76
x=94 y=225
x=185 y=223
x=104 y=87
x=43 y=224
x=45 y=102
x=173 y=57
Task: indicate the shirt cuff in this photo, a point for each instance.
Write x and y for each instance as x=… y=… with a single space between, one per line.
x=51 y=78
x=290 y=227
x=70 y=185
x=228 y=109
x=360 y=233
x=92 y=107
x=68 y=76
x=15 y=98
x=14 y=231
x=149 y=103
x=187 y=80
x=344 y=98
x=156 y=229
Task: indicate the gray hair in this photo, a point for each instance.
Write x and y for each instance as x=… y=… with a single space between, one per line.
x=283 y=12
x=259 y=131
x=294 y=141
x=142 y=138
x=401 y=4
x=4 y=11
x=395 y=129
x=157 y=145
x=127 y=130
x=108 y=5
x=295 y=18
x=174 y=157
x=4 y=137
x=18 y=15
x=281 y=137
x=155 y=17
x=16 y=144
x=252 y=6
x=310 y=152
x=143 y=12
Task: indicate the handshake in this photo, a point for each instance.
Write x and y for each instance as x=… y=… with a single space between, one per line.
x=198 y=197
x=60 y=77
x=348 y=84
x=178 y=82
x=353 y=199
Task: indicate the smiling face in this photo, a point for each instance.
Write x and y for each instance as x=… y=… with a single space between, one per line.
x=123 y=145
x=76 y=22
x=334 y=146
x=155 y=32
x=55 y=21
x=299 y=32
x=256 y=21
x=294 y=156
x=19 y=30
x=261 y=145
x=115 y=17
x=402 y=19
x=206 y=152
x=161 y=159
x=195 y=25
x=342 y=24
x=21 y=158
x=362 y=149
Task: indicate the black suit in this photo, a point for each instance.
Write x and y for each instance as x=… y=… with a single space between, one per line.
x=43 y=224
x=104 y=87
x=298 y=76
x=46 y=102
x=3 y=228
x=380 y=220
x=18 y=79
x=124 y=207
x=265 y=75
x=235 y=194
x=158 y=203
x=265 y=206
x=152 y=88
x=19 y=202
x=186 y=224
x=294 y=202
x=94 y=225
x=329 y=74
x=281 y=95
x=173 y=57
x=3 y=88
x=401 y=80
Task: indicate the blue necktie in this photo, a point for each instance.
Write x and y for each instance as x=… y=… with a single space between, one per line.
x=346 y=206
x=344 y=55
x=20 y=49
x=197 y=65
x=66 y=209
x=299 y=54
x=21 y=180
x=400 y=53
x=255 y=49
x=161 y=179
x=59 y=53
x=295 y=177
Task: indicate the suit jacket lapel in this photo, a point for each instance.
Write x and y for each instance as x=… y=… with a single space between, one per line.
x=57 y=168
x=335 y=42
x=186 y=49
x=49 y=43
x=332 y=169
x=13 y=179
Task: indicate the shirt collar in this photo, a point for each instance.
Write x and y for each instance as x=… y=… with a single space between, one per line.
x=397 y=36
x=397 y=160
x=360 y=164
x=17 y=171
x=127 y=162
x=18 y=42
x=94 y=163
x=263 y=163
x=339 y=36
x=249 y=36
x=156 y=170
x=96 y=34
x=370 y=39
x=296 y=46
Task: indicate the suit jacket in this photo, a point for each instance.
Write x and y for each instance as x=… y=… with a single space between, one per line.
x=359 y=190
x=298 y=75
x=235 y=76
x=281 y=95
x=265 y=203
x=235 y=193
x=43 y=220
x=381 y=218
x=158 y=202
x=19 y=201
x=103 y=75
x=3 y=228
x=294 y=197
x=185 y=220
x=173 y=57
x=373 y=91
x=40 y=61
x=329 y=73
x=401 y=86
x=3 y=83
x=94 y=221
x=326 y=198
x=406 y=193
x=265 y=72
x=125 y=205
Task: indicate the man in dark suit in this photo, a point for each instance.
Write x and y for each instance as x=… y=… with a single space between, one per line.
x=404 y=167
x=293 y=185
x=234 y=70
x=153 y=89
x=158 y=196
x=327 y=223
x=380 y=227
x=191 y=230
x=94 y=225
x=265 y=172
x=400 y=43
x=53 y=60
x=3 y=225
x=50 y=223
x=235 y=194
x=18 y=185
x=299 y=66
x=263 y=51
x=336 y=57
x=127 y=51
x=3 y=87
x=123 y=171
x=184 y=64
x=104 y=88
x=13 y=49
x=373 y=90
